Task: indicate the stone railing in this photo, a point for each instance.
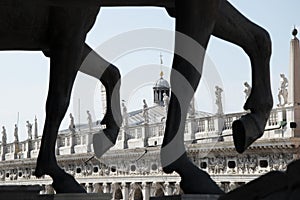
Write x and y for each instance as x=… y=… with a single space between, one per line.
x=206 y=129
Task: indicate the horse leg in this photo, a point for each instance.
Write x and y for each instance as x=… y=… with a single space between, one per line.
x=64 y=65
x=94 y=65
x=232 y=26
x=196 y=20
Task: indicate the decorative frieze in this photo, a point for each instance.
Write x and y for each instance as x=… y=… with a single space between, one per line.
x=245 y=164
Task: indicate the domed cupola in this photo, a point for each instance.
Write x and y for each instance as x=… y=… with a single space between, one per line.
x=161 y=86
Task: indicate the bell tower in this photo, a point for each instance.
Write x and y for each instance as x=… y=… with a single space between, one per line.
x=161 y=87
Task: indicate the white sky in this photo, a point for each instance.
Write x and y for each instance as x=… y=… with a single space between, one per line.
x=24 y=75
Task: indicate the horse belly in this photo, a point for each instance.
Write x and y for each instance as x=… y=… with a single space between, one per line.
x=22 y=25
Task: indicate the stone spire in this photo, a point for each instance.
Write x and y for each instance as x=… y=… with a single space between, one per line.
x=35 y=128
x=293 y=115
x=294 y=71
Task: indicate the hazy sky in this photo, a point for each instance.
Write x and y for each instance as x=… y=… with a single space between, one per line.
x=24 y=75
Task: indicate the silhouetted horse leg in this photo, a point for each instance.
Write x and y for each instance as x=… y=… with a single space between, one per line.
x=232 y=26
x=63 y=69
x=65 y=56
x=196 y=19
x=94 y=65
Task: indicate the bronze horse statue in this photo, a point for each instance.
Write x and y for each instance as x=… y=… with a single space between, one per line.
x=58 y=28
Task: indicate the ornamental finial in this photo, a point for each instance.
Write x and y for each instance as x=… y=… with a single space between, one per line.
x=295 y=32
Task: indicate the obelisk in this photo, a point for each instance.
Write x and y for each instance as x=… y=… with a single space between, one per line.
x=294 y=85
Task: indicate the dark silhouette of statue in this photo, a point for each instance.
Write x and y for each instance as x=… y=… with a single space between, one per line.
x=60 y=30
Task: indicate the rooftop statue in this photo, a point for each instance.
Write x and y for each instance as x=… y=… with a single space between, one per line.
x=60 y=32
x=72 y=124
x=247 y=90
x=125 y=115
x=35 y=128
x=145 y=111
x=218 y=94
x=29 y=129
x=4 y=136
x=89 y=119
x=283 y=91
x=16 y=133
x=166 y=101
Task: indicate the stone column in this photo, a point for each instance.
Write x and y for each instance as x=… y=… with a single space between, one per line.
x=145 y=134
x=105 y=188
x=191 y=126
x=146 y=190
x=177 y=189
x=16 y=149
x=3 y=151
x=168 y=189
x=89 y=187
x=125 y=190
x=28 y=147
x=72 y=142
x=206 y=125
x=124 y=137
x=49 y=189
x=153 y=189
x=219 y=123
x=294 y=71
x=43 y=191
x=294 y=85
x=97 y=188
x=89 y=141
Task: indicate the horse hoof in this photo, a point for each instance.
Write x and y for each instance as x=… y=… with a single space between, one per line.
x=38 y=172
x=197 y=181
x=101 y=143
x=67 y=184
x=246 y=130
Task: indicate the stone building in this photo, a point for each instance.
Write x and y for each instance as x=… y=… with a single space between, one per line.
x=132 y=169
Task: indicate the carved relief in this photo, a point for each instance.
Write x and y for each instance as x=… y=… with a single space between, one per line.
x=278 y=162
x=251 y=164
x=241 y=165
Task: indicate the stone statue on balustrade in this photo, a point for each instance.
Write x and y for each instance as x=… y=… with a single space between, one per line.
x=283 y=91
x=247 y=90
x=16 y=141
x=145 y=112
x=72 y=124
x=29 y=129
x=89 y=119
x=125 y=115
x=218 y=94
x=166 y=101
x=4 y=136
x=192 y=109
x=16 y=133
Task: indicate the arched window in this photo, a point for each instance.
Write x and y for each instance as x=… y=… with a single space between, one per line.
x=118 y=194
x=138 y=195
